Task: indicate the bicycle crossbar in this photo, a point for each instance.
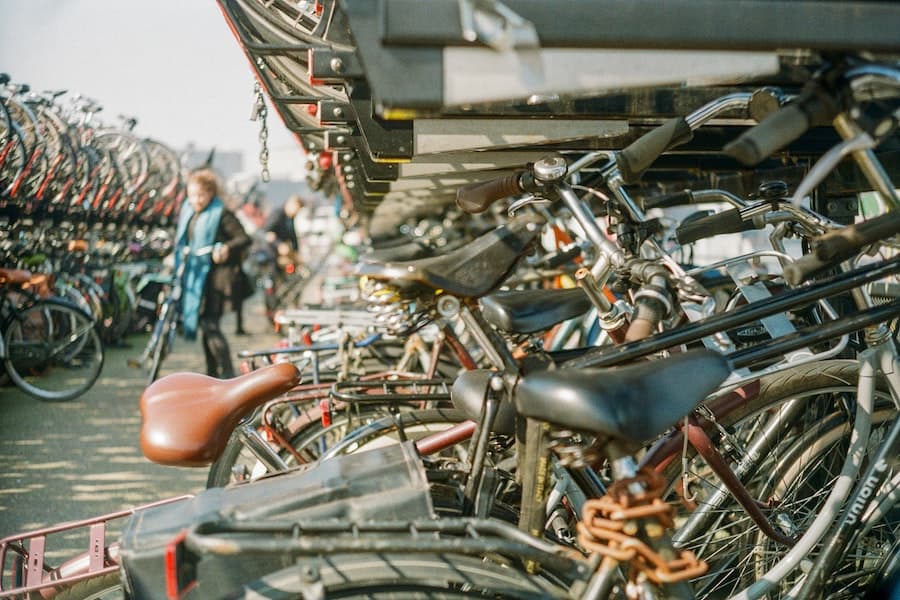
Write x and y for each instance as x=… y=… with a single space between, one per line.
x=750 y=313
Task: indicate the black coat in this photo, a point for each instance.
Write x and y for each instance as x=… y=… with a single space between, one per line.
x=283 y=227
x=227 y=279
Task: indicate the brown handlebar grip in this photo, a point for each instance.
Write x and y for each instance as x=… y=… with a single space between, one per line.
x=477 y=197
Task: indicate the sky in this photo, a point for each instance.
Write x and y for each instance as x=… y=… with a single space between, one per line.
x=172 y=64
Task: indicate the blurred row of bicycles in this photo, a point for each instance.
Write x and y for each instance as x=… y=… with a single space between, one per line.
x=58 y=160
x=84 y=208
x=546 y=389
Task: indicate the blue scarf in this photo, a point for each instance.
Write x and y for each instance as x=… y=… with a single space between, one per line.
x=197 y=267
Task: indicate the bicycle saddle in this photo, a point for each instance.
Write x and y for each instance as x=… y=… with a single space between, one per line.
x=470 y=271
x=187 y=418
x=14 y=276
x=408 y=251
x=468 y=393
x=633 y=403
x=533 y=310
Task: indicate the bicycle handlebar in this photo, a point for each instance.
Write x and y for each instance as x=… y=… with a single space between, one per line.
x=840 y=245
x=813 y=107
x=641 y=153
x=727 y=221
x=476 y=197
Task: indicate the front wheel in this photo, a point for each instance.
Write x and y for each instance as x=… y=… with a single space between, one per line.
x=161 y=349
x=791 y=477
x=53 y=350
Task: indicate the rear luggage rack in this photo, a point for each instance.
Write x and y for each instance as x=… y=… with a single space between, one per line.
x=23 y=568
x=467 y=536
x=379 y=392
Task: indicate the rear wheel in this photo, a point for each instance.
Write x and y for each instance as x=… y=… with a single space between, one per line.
x=237 y=462
x=406 y=576
x=53 y=350
x=105 y=587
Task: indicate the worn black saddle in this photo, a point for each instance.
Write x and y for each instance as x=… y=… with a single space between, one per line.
x=633 y=403
x=407 y=251
x=471 y=271
x=528 y=311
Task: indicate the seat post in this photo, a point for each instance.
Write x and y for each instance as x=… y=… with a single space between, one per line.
x=534 y=469
x=492 y=344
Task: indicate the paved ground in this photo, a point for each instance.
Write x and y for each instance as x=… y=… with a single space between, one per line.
x=79 y=459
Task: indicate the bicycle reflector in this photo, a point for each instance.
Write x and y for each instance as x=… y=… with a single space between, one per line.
x=325 y=408
x=181 y=568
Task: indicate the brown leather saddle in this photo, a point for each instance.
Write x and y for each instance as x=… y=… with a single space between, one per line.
x=187 y=418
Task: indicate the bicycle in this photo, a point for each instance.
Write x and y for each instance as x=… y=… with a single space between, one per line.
x=162 y=338
x=49 y=347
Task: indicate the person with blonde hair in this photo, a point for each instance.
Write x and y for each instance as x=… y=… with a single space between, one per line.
x=205 y=221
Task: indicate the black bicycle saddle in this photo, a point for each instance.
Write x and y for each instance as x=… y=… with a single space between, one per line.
x=471 y=271
x=527 y=311
x=634 y=403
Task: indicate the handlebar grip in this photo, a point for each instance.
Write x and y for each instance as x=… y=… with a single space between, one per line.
x=640 y=154
x=804 y=267
x=776 y=131
x=669 y=200
x=477 y=197
x=727 y=221
x=847 y=242
x=840 y=245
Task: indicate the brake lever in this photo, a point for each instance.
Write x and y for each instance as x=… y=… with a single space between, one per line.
x=523 y=202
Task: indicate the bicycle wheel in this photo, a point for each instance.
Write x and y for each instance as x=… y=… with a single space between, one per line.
x=801 y=484
x=161 y=349
x=53 y=350
x=237 y=462
x=105 y=587
x=730 y=542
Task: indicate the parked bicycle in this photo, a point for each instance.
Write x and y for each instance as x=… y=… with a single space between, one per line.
x=162 y=338
x=49 y=347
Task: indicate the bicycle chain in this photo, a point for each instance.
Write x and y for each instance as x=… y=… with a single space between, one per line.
x=260 y=112
x=609 y=527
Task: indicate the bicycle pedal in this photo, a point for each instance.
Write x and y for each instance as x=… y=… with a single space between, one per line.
x=133 y=363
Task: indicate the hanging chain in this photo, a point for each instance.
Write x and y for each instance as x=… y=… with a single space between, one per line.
x=260 y=112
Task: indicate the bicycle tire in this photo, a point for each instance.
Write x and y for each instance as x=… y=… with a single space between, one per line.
x=824 y=385
x=866 y=558
x=408 y=577
x=37 y=354
x=161 y=349
x=104 y=587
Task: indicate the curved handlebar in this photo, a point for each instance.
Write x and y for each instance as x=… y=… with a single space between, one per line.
x=640 y=154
